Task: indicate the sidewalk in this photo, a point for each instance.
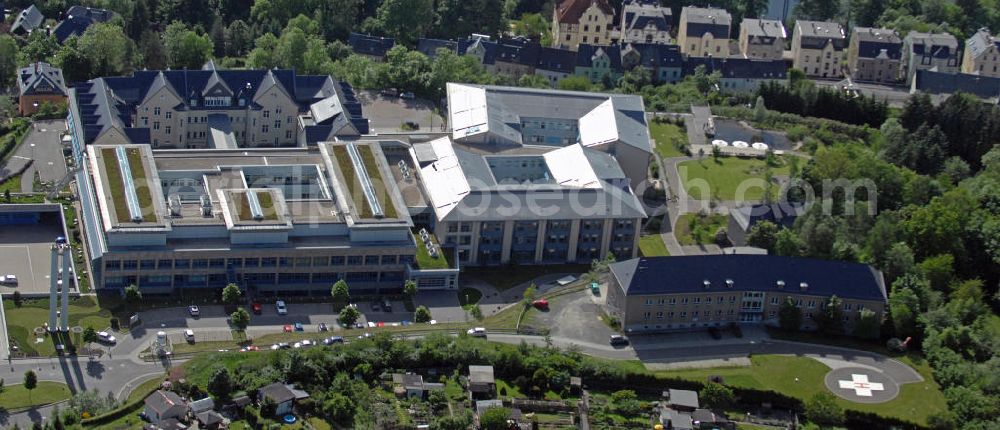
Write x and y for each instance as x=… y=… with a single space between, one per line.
x=4 y=342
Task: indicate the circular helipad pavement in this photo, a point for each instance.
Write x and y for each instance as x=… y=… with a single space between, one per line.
x=861 y=385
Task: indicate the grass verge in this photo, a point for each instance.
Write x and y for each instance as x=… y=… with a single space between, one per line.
x=669 y=139
x=22 y=321
x=510 y=277
x=16 y=397
x=652 y=246
x=695 y=229
x=729 y=178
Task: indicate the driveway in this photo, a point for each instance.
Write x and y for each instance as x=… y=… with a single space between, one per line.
x=572 y=316
x=42 y=144
x=387 y=114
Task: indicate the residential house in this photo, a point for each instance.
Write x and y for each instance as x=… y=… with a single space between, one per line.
x=482 y=384
x=283 y=396
x=645 y=21
x=706 y=419
x=430 y=47
x=874 y=55
x=374 y=47
x=413 y=385
x=650 y=294
x=599 y=63
x=515 y=57
x=762 y=39
x=555 y=64
x=704 y=32
x=929 y=51
x=27 y=20
x=77 y=19
x=981 y=54
x=664 y=62
x=582 y=21
x=818 y=48
x=944 y=84
x=739 y=75
x=204 y=411
x=744 y=218
x=163 y=405
x=682 y=400
x=39 y=83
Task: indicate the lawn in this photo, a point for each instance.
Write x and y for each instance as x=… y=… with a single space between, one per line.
x=916 y=402
x=15 y=397
x=424 y=259
x=504 y=280
x=509 y=391
x=13 y=185
x=729 y=178
x=266 y=206
x=652 y=246
x=117 y=185
x=21 y=322
x=469 y=296
x=142 y=390
x=695 y=229
x=669 y=138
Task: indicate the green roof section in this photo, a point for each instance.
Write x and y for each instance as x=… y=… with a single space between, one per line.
x=116 y=184
x=424 y=259
x=353 y=182
x=266 y=206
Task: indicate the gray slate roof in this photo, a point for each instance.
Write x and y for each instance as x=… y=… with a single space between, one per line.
x=936 y=45
x=683 y=398
x=278 y=393
x=672 y=275
x=980 y=42
x=40 y=78
x=163 y=400
x=638 y=14
x=763 y=27
x=28 y=20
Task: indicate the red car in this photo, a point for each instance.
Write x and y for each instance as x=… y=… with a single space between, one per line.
x=540 y=304
x=256 y=307
x=288 y=328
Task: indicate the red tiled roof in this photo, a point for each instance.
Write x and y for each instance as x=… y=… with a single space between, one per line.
x=570 y=11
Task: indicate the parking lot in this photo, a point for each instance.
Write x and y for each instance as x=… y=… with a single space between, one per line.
x=386 y=114
x=572 y=316
x=25 y=251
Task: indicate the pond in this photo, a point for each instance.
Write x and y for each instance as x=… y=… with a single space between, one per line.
x=731 y=130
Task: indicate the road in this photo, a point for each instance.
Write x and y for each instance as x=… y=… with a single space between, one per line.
x=43 y=145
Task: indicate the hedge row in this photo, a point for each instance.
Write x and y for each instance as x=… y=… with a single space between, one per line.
x=11 y=136
x=126 y=409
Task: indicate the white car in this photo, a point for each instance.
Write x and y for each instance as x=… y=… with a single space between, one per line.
x=189 y=335
x=280 y=306
x=477 y=332
x=194 y=311
x=105 y=337
x=8 y=280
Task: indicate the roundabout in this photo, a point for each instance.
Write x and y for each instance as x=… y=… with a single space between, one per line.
x=861 y=385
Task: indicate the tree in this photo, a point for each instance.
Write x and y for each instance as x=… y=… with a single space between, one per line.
x=533 y=81
x=40 y=47
x=220 y=384
x=956 y=169
x=495 y=419
x=341 y=293
x=186 y=49
x=817 y=10
x=460 y=18
x=822 y=409
x=410 y=288
x=529 y=294
x=263 y=56
x=108 y=50
x=763 y=234
x=349 y=315
x=30 y=382
x=830 y=319
x=716 y=396
x=18 y=301
x=447 y=422
x=339 y=408
x=239 y=38
x=938 y=270
x=154 y=56
x=867 y=325
x=89 y=335
x=574 y=83
x=240 y=318
x=8 y=57
x=788 y=243
x=132 y=295
x=899 y=261
x=904 y=307
x=422 y=314
x=406 y=20
x=231 y=294
x=789 y=315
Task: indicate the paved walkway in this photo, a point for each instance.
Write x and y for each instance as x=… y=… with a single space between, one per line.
x=4 y=342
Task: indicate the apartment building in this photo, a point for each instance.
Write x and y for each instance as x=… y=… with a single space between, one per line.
x=582 y=21
x=704 y=32
x=981 y=54
x=210 y=108
x=739 y=75
x=819 y=48
x=874 y=54
x=762 y=39
x=671 y=293
x=645 y=21
x=929 y=51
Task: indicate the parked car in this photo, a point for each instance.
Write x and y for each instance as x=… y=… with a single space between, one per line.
x=333 y=339
x=60 y=240
x=303 y=344
x=281 y=308
x=540 y=304
x=194 y=311
x=477 y=332
x=618 y=340
x=323 y=327
x=257 y=308
x=105 y=337
x=281 y=345
x=387 y=305
x=299 y=327
x=412 y=125
x=376 y=307
x=288 y=328
x=390 y=92
x=189 y=335
x=8 y=280
x=407 y=95
x=714 y=332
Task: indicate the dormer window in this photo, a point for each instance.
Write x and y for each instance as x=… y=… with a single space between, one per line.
x=194 y=102
x=217 y=101
x=243 y=102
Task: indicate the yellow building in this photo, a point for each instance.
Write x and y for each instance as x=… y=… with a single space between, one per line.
x=582 y=21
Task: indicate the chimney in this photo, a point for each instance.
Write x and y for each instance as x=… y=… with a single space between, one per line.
x=803 y=286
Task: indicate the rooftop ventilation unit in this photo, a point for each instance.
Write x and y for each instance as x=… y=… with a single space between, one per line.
x=254 y=203
x=131 y=198
x=707 y=284
x=206 y=206
x=780 y=284
x=174 y=205
x=729 y=283
x=365 y=179
x=803 y=286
